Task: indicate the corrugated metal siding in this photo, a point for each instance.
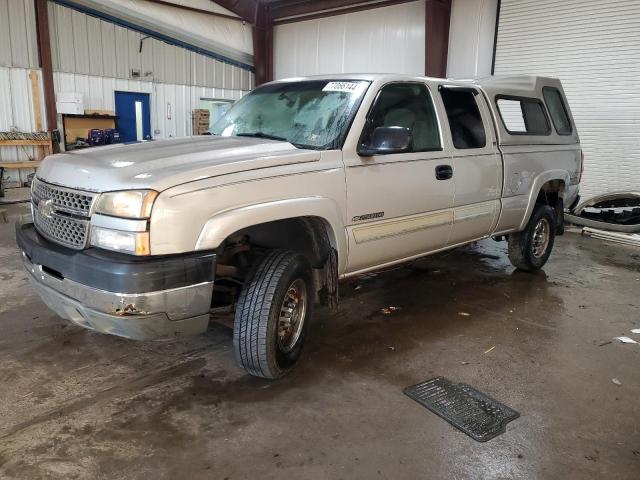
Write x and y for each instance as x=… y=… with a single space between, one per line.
x=386 y=39
x=98 y=94
x=16 y=110
x=18 y=37
x=594 y=48
x=86 y=45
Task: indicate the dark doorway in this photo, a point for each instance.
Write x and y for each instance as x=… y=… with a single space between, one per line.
x=134 y=116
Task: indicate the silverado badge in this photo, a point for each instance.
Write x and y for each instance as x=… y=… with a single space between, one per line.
x=367 y=216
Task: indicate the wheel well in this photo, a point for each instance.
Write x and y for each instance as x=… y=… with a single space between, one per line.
x=550 y=192
x=310 y=236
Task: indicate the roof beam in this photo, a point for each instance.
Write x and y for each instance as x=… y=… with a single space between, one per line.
x=44 y=55
x=246 y=9
x=258 y=14
x=263 y=45
x=284 y=11
x=179 y=6
x=438 y=18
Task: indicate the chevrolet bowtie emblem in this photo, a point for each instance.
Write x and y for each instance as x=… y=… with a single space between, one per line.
x=45 y=207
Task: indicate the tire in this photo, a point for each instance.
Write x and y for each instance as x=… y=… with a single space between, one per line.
x=527 y=252
x=559 y=210
x=260 y=340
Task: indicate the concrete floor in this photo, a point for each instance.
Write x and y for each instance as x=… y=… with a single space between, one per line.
x=74 y=404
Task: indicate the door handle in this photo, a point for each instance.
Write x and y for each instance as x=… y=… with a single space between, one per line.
x=444 y=172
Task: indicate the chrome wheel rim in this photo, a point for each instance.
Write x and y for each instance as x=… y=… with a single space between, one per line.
x=541 y=234
x=292 y=315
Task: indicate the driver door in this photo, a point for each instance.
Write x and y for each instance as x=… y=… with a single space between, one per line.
x=400 y=205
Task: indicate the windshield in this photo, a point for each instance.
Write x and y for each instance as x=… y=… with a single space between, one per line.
x=309 y=114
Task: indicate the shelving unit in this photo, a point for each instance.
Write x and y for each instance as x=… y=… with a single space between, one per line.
x=77 y=126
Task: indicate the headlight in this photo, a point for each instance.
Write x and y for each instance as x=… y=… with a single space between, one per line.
x=136 y=243
x=127 y=203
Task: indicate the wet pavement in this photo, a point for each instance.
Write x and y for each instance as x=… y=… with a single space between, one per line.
x=75 y=404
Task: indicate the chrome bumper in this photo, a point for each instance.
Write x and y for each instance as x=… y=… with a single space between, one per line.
x=143 y=316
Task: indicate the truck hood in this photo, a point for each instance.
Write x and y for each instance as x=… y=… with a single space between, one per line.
x=162 y=164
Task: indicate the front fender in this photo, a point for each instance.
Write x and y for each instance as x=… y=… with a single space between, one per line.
x=536 y=185
x=223 y=224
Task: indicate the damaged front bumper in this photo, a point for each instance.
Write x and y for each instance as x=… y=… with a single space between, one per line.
x=141 y=299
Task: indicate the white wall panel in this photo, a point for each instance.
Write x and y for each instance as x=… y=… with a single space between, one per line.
x=5 y=35
x=593 y=47
x=169 y=64
x=18 y=45
x=382 y=40
x=31 y=34
x=210 y=71
x=219 y=74
x=94 y=46
x=227 y=82
x=122 y=53
x=135 y=56
x=332 y=36
x=471 y=37
x=108 y=39
x=80 y=42
x=63 y=25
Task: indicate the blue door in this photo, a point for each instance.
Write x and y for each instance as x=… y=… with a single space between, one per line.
x=134 y=116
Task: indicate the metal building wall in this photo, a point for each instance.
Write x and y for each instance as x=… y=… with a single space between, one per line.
x=83 y=44
x=18 y=38
x=230 y=38
x=95 y=57
x=171 y=104
x=388 y=39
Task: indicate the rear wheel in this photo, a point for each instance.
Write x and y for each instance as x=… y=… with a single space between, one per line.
x=273 y=314
x=530 y=249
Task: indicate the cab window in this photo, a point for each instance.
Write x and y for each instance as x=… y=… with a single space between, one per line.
x=406 y=105
x=465 y=121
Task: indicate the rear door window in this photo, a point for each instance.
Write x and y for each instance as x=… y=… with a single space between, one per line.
x=465 y=121
x=523 y=116
x=557 y=110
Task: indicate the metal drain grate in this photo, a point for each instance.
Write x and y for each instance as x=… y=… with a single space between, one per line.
x=479 y=416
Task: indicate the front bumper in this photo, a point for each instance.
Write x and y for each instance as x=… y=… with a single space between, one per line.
x=141 y=299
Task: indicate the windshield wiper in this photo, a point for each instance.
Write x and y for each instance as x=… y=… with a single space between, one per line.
x=261 y=135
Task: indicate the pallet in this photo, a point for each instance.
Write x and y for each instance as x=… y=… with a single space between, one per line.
x=16 y=165
x=44 y=146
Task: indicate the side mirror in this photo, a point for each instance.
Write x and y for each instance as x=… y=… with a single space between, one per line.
x=386 y=140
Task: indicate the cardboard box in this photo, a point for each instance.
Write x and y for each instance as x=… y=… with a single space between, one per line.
x=70 y=108
x=70 y=97
x=99 y=112
x=200 y=121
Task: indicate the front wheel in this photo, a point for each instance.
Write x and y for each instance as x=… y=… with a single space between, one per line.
x=273 y=314
x=529 y=250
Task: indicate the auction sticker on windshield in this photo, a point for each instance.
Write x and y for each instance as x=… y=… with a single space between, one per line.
x=349 y=87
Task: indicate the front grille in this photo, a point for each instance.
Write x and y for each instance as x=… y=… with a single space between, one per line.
x=62 y=214
x=67 y=231
x=65 y=199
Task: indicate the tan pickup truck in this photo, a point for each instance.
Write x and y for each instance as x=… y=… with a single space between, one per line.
x=304 y=182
